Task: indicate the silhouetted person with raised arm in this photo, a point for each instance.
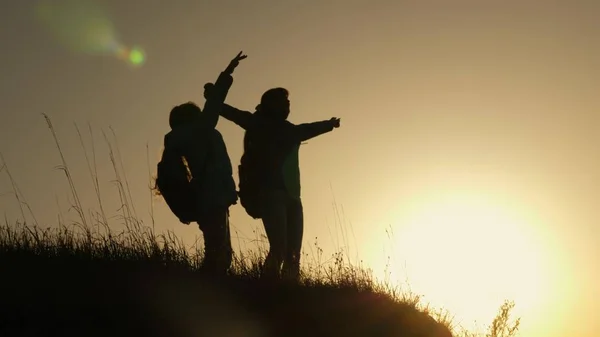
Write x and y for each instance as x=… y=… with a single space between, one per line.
x=194 y=137
x=271 y=145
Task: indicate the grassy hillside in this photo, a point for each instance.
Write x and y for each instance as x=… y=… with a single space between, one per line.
x=68 y=282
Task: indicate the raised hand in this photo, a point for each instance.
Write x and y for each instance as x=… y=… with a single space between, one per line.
x=335 y=121
x=208 y=87
x=235 y=62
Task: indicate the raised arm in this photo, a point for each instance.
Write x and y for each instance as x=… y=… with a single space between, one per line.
x=306 y=131
x=210 y=113
x=214 y=102
x=240 y=117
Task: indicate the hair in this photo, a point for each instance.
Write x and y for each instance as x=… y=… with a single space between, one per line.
x=183 y=114
x=272 y=94
x=267 y=100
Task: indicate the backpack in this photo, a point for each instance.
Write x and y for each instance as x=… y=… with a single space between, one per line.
x=173 y=181
x=249 y=181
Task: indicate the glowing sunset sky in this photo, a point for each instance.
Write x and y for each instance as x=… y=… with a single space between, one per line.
x=468 y=152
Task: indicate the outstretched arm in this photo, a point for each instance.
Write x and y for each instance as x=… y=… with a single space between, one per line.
x=306 y=131
x=240 y=117
x=214 y=102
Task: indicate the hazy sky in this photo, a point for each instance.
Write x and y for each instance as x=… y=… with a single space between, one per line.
x=468 y=148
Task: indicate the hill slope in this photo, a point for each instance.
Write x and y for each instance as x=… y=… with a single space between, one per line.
x=60 y=284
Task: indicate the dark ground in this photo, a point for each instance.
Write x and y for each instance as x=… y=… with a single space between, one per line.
x=62 y=293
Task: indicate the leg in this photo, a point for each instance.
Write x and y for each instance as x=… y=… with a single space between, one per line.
x=226 y=249
x=275 y=221
x=217 y=241
x=295 y=232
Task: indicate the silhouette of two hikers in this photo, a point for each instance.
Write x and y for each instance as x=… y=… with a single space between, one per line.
x=195 y=176
x=195 y=173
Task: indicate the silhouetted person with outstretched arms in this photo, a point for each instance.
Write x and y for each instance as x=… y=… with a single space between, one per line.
x=212 y=189
x=270 y=174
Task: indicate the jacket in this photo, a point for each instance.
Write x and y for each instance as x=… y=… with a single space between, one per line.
x=202 y=145
x=277 y=143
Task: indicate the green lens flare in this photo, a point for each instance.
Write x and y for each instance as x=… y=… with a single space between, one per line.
x=80 y=25
x=85 y=26
x=136 y=57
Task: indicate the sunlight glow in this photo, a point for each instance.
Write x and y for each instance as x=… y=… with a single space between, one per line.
x=468 y=255
x=85 y=26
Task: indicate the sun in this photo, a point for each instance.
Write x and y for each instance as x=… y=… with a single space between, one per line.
x=469 y=253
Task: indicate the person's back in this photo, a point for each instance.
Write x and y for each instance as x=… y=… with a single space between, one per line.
x=271 y=143
x=270 y=174
x=194 y=137
x=207 y=158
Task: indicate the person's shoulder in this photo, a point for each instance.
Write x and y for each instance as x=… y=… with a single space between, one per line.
x=182 y=133
x=168 y=137
x=256 y=119
x=285 y=126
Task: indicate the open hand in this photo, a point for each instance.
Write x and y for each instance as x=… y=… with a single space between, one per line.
x=335 y=121
x=236 y=61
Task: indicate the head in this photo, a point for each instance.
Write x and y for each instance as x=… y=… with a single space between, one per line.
x=183 y=114
x=275 y=103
